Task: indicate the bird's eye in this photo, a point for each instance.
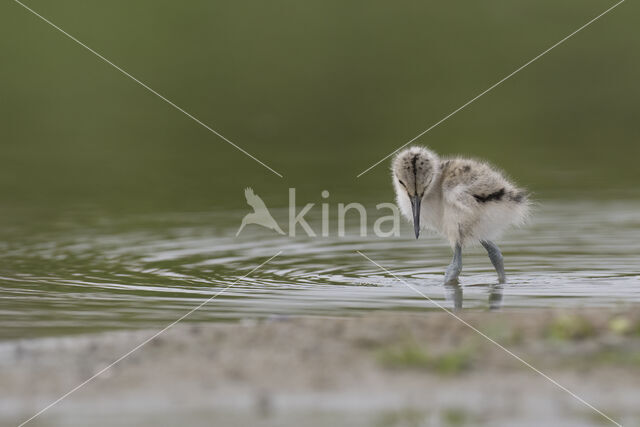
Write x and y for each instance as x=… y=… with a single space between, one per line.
x=402 y=183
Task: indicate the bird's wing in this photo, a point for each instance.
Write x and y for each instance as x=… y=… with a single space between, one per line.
x=468 y=182
x=254 y=200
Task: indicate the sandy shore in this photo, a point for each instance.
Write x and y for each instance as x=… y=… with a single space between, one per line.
x=377 y=369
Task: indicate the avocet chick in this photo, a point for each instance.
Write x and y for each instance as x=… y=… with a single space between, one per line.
x=466 y=201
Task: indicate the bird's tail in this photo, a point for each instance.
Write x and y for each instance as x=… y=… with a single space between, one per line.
x=518 y=196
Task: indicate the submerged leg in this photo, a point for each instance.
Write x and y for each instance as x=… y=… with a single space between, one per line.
x=496 y=259
x=453 y=293
x=495 y=297
x=453 y=270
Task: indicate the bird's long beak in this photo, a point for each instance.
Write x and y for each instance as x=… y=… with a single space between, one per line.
x=415 y=204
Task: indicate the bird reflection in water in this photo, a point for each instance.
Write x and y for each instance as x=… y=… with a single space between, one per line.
x=453 y=293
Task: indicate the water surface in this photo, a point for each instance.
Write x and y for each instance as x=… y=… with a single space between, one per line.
x=88 y=271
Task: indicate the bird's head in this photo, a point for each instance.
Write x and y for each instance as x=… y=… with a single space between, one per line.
x=414 y=171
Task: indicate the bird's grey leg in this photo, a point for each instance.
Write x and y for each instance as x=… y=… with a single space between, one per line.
x=453 y=270
x=496 y=259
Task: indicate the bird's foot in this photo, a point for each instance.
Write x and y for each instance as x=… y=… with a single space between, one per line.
x=451 y=275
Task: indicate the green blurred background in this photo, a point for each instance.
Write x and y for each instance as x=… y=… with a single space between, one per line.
x=318 y=90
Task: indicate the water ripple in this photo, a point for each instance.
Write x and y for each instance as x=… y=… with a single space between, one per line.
x=124 y=272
